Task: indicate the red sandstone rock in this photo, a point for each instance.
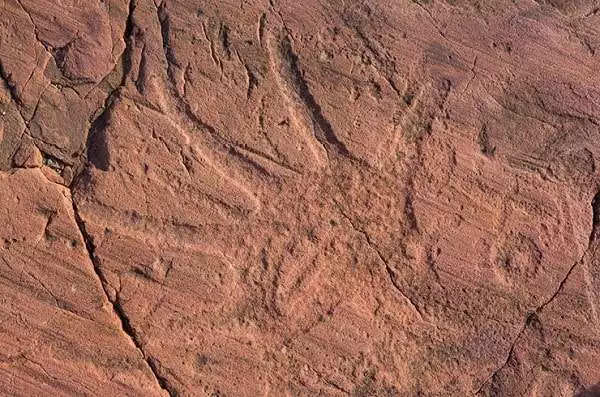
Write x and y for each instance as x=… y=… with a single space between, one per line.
x=59 y=333
x=300 y=198
x=28 y=155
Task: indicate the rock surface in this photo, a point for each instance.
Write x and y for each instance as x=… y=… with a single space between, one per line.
x=277 y=198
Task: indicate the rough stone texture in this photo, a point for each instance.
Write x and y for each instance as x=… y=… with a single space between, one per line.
x=278 y=198
x=59 y=333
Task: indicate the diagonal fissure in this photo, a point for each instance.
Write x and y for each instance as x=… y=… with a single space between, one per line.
x=594 y=235
x=97 y=155
x=388 y=268
x=118 y=309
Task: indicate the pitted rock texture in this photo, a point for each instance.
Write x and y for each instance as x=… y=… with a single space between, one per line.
x=278 y=198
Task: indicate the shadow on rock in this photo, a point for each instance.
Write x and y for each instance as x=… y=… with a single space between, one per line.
x=593 y=391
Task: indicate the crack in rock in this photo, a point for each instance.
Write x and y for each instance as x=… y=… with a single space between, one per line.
x=98 y=125
x=594 y=234
x=389 y=270
x=118 y=309
x=97 y=152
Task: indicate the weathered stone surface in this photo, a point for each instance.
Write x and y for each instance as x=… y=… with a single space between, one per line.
x=59 y=333
x=28 y=155
x=12 y=128
x=309 y=198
